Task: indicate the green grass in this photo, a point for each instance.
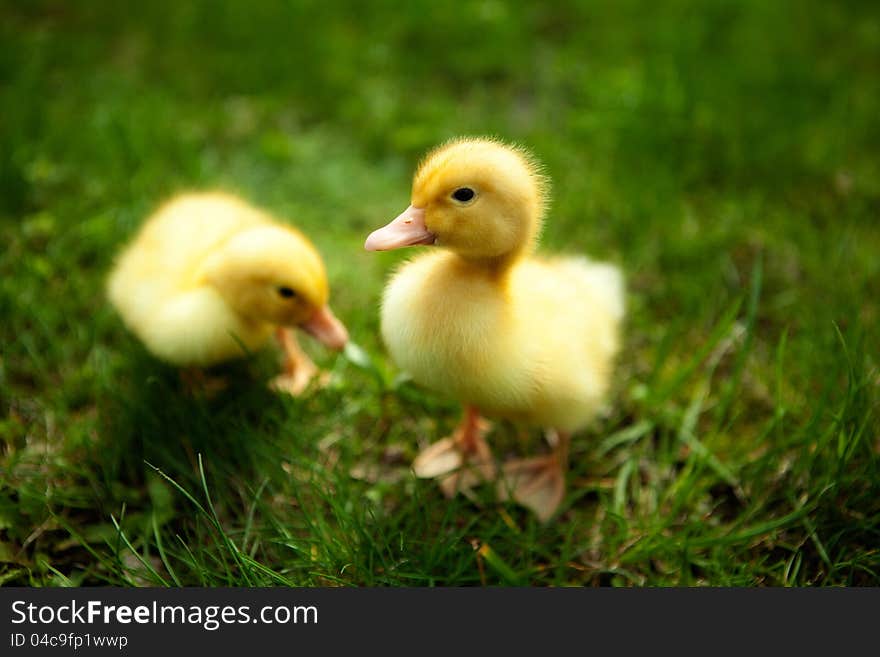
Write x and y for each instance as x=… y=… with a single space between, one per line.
x=725 y=154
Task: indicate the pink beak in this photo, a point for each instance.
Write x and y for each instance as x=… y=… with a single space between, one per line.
x=408 y=229
x=324 y=326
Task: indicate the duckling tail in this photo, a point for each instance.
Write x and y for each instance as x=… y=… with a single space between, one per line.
x=605 y=282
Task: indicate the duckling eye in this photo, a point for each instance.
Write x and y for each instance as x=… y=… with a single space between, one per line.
x=286 y=292
x=463 y=194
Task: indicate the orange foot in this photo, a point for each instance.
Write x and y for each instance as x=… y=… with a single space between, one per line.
x=197 y=383
x=460 y=461
x=299 y=370
x=537 y=483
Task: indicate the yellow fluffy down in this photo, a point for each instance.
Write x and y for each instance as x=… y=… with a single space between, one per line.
x=538 y=348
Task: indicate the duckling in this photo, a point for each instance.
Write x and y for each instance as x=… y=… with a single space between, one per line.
x=482 y=318
x=210 y=278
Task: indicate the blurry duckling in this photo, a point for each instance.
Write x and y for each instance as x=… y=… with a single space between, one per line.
x=480 y=318
x=209 y=278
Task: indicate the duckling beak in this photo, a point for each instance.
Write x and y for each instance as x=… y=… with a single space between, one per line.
x=408 y=229
x=328 y=330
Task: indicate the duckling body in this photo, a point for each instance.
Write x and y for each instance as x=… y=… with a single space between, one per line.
x=484 y=320
x=205 y=279
x=533 y=344
x=157 y=285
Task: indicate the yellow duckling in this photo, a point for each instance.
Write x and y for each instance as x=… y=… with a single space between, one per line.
x=209 y=278
x=509 y=334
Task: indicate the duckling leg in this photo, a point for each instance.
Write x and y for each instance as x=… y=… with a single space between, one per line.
x=538 y=483
x=198 y=383
x=298 y=367
x=460 y=461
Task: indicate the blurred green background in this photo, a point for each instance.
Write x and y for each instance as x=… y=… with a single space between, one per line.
x=724 y=154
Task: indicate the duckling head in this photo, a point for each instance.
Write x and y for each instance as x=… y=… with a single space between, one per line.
x=480 y=198
x=274 y=275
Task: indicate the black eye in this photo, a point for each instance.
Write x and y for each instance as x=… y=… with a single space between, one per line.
x=463 y=194
x=286 y=292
